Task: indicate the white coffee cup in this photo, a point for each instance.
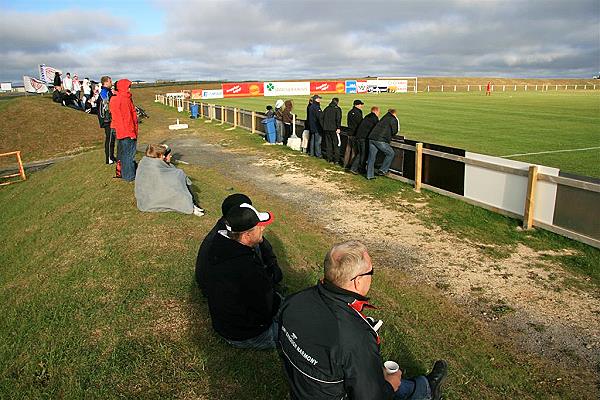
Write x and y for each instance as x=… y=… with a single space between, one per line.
x=391 y=367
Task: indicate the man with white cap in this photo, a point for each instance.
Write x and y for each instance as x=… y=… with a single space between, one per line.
x=241 y=296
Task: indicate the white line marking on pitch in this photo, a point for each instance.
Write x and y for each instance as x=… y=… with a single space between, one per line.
x=550 y=151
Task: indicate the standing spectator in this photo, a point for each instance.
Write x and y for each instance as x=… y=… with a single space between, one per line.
x=279 y=121
x=488 y=89
x=68 y=83
x=86 y=86
x=331 y=350
x=77 y=89
x=242 y=300
x=288 y=119
x=306 y=132
x=125 y=123
x=353 y=119
x=104 y=118
x=332 y=125
x=379 y=140
x=57 y=81
x=362 y=140
x=315 y=123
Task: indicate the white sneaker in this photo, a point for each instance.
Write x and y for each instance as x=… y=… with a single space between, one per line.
x=110 y=162
x=198 y=212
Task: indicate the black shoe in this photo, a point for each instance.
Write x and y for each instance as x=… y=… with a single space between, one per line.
x=436 y=378
x=381 y=173
x=370 y=179
x=354 y=172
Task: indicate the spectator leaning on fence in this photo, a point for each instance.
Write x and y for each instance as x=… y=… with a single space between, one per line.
x=353 y=119
x=125 y=123
x=279 y=121
x=264 y=249
x=332 y=125
x=331 y=349
x=240 y=288
x=288 y=119
x=361 y=138
x=379 y=140
x=315 y=123
x=104 y=119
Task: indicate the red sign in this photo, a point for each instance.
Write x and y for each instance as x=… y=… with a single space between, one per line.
x=196 y=94
x=246 y=89
x=328 y=87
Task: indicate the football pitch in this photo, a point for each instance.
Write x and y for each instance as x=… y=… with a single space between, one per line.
x=557 y=129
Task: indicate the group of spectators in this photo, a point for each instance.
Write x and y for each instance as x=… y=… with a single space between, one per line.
x=71 y=92
x=367 y=135
x=279 y=121
x=329 y=347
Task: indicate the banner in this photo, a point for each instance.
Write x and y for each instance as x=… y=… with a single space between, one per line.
x=361 y=87
x=397 y=85
x=33 y=85
x=177 y=95
x=351 y=87
x=6 y=86
x=286 y=88
x=212 y=94
x=196 y=94
x=327 y=87
x=47 y=73
x=245 y=89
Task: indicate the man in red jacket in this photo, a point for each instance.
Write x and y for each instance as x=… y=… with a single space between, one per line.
x=125 y=123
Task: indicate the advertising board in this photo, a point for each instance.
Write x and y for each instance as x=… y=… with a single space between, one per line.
x=328 y=87
x=245 y=89
x=212 y=94
x=286 y=88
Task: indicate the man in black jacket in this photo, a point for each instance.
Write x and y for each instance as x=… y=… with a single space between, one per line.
x=315 y=123
x=362 y=140
x=241 y=297
x=379 y=140
x=331 y=350
x=264 y=249
x=353 y=119
x=332 y=125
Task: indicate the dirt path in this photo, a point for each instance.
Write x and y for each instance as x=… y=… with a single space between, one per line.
x=522 y=297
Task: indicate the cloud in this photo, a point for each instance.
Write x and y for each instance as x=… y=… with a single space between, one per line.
x=243 y=39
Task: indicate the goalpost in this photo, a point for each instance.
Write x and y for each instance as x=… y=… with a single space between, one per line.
x=398 y=84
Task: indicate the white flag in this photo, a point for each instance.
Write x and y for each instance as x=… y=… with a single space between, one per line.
x=33 y=85
x=47 y=73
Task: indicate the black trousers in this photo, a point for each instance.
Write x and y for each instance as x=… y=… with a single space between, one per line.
x=360 y=158
x=287 y=132
x=109 y=144
x=331 y=146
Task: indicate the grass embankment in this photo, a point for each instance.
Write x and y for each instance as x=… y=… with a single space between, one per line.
x=41 y=129
x=99 y=302
x=500 y=125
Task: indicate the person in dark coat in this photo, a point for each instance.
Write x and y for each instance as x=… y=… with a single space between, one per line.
x=240 y=289
x=361 y=138
x=264 y=249
x=57 y=81
x=353 y=119
x=379 y=140
x=315 y=123
x=288 y=119
x=329 y=347
x=332 y=125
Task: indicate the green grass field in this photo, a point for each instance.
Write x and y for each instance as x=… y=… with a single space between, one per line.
x=502 y=124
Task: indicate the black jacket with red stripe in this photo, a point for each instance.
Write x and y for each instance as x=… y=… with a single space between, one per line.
x=329 y=348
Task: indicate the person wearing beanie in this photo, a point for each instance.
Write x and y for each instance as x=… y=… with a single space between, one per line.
x=332 y=126
x=315 y=123
x=264 y=249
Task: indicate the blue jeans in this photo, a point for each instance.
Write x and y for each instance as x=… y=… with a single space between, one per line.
x=374 y=147
x=315 y=144
x=279 y=126
x=413 y=389
x=126 y=154
x=264 y=341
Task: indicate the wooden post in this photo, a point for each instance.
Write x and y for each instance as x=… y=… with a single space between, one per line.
x=235 y=118
x=530 y=197
x=418 y=166
x=21 y=169
x=468 y=88
x=455 y=88
x=253 y=122
x=504 y=88
x=442 y=88
x=201 y=110
x=223 y=115
x=515 y=88
x=427 y=88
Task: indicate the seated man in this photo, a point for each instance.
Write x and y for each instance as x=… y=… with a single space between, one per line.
x=264 y=248
x=160 y=186
x=241 y=297
x=330 y=349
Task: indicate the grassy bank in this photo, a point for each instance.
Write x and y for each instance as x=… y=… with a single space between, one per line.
x=99 y=302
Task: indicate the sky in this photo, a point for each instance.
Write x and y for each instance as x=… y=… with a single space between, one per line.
x=286 y=39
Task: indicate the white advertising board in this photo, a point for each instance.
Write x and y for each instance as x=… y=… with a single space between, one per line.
x=6 y=86
x=361 y=87
x=287 y=88
x=397 y=86
x=212 y=94
x=507 y=191
x=176 y=95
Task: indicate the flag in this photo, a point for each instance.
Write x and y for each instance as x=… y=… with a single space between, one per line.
x=47 y=73
x=33 y=85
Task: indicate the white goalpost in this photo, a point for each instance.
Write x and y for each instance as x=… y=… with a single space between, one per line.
x=394 y=84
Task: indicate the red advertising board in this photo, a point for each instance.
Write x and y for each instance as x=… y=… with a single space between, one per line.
x=196 y=94
x=328 y=87
x=245 y=89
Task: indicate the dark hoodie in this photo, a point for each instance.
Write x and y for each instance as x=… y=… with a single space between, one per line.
x=124 y=118
x=241 y=298
x=332 y=117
